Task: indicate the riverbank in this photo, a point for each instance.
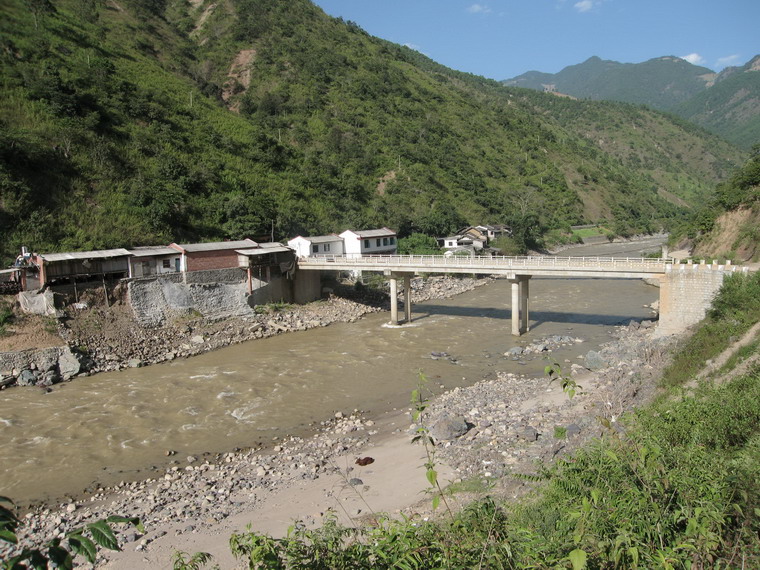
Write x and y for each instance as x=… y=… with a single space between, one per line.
x=485 y=432
x=104 y=336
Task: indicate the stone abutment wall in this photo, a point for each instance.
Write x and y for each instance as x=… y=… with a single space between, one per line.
x=686 y=292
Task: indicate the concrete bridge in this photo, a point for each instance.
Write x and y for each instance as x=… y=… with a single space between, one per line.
x=686 y=290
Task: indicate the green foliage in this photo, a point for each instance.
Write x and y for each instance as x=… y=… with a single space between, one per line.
x=422 y=435
x=569 y=386
x=6 y=315
x=741 y=190
x=508 y=246
x=60 y=552
x=418 y=244
x=196 y=561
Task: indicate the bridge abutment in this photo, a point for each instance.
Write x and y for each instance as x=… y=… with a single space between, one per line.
x=686 y=292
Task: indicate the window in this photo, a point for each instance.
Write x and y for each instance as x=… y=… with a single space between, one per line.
x=392 y=240
x=315 y=248
x=385 y=241
x=377 y=242
x=167 y=263
x=366 y=244
x=326 y=247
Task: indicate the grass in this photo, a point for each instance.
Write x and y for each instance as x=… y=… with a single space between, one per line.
x=6 y=316
x=590 y=232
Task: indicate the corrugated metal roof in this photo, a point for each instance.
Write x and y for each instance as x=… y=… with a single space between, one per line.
x=216 y=245
x=262 y=251
x=152 y=250
x=319 y=239
x=374 y=233
x=271 y=244
x=98 y=254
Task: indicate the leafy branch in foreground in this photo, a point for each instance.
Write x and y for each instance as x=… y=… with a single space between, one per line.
x=569 y=386
x=60 y=552
x=422 y=434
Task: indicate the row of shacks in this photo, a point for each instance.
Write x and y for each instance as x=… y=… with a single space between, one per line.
x=36 y=270
x=40 y=269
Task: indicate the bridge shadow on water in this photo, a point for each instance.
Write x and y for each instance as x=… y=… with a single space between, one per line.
x=424 y=311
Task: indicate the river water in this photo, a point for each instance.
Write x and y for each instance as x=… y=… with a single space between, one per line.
x=118 y=426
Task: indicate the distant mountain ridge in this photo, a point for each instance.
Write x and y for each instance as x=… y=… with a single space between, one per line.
x=726 y=103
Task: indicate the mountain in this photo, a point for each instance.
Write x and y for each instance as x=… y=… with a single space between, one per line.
x=725 y=103
x=143 y=122
x=730 y=107
x=661 y=83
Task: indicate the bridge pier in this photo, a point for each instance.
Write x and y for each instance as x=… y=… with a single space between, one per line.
x=520 y=304
x=393 y=277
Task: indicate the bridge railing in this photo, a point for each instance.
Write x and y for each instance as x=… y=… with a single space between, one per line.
x=531 y=262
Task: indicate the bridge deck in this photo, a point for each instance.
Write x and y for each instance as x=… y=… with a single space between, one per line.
x=550 y=266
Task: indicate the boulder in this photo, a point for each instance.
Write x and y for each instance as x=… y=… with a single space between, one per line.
x=447 y=427
x=68 y=364
x=595 y=361
x=26 y=378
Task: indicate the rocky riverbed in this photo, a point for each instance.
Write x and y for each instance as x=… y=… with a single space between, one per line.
x=483 y=432
x=103 y=337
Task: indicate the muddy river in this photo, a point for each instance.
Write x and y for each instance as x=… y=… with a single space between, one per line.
x=119 y=426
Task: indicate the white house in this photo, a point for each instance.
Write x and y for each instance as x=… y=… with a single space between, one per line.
x=369 y=242
x=331 y=244
x=153 y=260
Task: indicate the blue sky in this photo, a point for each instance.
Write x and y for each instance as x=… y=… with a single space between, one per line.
x=500 y=39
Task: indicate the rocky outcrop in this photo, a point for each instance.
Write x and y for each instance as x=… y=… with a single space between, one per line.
x=43 y=367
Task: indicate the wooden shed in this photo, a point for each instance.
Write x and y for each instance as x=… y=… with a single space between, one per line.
x=65 y=267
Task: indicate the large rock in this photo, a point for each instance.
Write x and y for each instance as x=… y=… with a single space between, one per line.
x=447 y=427
x=595 y=361
x=26 y=378
x=68 y=364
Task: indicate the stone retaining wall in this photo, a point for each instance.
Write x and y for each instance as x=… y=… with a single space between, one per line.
x=42 y=367
x=686 y=292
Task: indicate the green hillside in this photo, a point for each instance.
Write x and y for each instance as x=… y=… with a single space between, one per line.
x=130 y=123
x=731 y=107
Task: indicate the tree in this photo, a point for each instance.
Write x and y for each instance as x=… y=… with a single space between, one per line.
x=39 y=8
x=418 y=244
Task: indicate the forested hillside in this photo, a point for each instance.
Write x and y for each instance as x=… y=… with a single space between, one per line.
x=731 y=107
x=142 y=122
x=728 y=224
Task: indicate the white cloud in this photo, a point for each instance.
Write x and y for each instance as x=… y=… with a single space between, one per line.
x=694 y=59
x=584 y=5
x=479 y=9
x=416 y=48
x=728 y=60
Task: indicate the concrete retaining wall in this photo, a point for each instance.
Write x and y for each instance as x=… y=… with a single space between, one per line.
x=218 y=293
x=686 y=292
